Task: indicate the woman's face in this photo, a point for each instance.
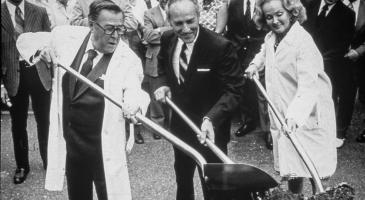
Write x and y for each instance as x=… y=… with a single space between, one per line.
x=276 y=16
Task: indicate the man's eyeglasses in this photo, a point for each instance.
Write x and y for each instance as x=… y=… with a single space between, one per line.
x=110 y=29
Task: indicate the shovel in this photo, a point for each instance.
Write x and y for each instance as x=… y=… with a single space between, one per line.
x=293 y=139
x=229 y=170
x=216 y=175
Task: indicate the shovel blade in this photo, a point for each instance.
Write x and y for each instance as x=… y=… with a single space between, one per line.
x=221 y=176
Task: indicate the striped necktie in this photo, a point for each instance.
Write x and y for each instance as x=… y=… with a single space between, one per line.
x=19 y=22
x=183 y=63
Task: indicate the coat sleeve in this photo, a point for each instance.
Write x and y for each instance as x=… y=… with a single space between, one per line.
x=161 y=80
x=152 y=33
x=309 y=64
x=134 y=96
x=259 y=59
x=77 y=16
x=230 y=73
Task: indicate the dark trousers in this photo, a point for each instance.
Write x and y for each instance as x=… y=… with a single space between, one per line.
x=30 y=85
x=344 y=92
x=185 y=168
x=81 y=174
x=249 y=106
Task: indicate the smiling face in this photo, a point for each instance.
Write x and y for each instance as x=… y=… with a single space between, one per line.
x=101 y=41
x=184 y=20
x=277 y=17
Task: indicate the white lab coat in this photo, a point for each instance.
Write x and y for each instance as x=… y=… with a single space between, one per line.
x=301 y=90
x=123 y=82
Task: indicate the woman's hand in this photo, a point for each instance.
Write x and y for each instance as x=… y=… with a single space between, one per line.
x=291 y=124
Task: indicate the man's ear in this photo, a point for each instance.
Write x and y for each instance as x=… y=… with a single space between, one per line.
x=91 y=25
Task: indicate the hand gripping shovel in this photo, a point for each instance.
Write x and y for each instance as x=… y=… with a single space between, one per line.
x=293 y=139
x=229 y=175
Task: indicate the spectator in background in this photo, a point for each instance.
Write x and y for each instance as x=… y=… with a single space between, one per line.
x=213 y=15
x=80 y=12
x=155 y=24
x=242 y=31
x=331 y=25
x=60 y=13
x=356 y=54
x=299 y=88
x=21 y=80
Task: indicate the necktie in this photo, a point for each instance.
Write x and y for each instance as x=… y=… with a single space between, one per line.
x=183 y=63
x=88 y=64
x=350 y=5
x=322 y=15
x=248 y=10
x=19 y=22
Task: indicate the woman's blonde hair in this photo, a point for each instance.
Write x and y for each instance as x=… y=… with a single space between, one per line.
x=294 y=7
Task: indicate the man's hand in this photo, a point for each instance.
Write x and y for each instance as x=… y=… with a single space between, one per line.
x=48 y=55
x=251 y=71
x=4 y=96
x=352 y=55
x=129 y=111
x=161 y=93
x=292 y=125
x=207 y=130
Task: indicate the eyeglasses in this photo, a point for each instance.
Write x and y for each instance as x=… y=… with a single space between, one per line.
x=110 y=29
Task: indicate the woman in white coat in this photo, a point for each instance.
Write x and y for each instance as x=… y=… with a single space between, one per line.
x=300 y=90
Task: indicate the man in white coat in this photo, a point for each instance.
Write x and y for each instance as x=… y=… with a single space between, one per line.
x=87 y=137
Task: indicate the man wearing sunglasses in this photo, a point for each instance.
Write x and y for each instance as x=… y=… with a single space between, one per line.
x=87 y=136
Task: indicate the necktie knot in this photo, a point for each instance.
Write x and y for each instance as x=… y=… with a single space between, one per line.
x=91 y=54
x=325 y=7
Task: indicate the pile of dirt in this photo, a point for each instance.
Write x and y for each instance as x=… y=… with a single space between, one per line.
x=343 y=191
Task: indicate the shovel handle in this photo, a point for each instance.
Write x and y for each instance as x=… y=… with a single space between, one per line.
x=209 y=143
x=293 y=139
x=145 y=121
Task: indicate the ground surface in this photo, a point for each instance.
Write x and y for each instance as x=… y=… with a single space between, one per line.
x=151 y=165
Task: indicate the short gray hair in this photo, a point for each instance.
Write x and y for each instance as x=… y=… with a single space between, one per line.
x=171 y=2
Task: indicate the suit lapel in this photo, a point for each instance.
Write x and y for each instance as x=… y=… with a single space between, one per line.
x=6 y=22
x=95 y=73
x=76 y=64
x=196 y=55
x=361 y=15
x=171 y=51
x=29 y=17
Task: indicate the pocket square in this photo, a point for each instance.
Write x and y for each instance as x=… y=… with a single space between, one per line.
x=203 y=70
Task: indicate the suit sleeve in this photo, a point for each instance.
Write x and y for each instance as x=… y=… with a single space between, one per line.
x=46 y=23
x=230 y=74
x=77 y=16
x=161 y=80
x=152 y=34
x=130 y=22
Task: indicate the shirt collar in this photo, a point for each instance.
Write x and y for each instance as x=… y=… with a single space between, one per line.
x=12 y=7
x=91 y=46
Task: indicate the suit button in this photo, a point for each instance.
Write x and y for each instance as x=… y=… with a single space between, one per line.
x=248 y=37
x=244 y=48
x=69 y=124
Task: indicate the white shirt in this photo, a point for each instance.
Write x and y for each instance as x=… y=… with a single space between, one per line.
x=95 y=60
x=176 y=56
x=252 y=7
x=12 y=8
x=323 y=4
x=356 y=5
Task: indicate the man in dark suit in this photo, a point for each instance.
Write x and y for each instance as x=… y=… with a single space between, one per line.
x=155 y=24
x=331 y=25
x=356 y=55
x=200 y=71
x=247 y=39
x=20 y=80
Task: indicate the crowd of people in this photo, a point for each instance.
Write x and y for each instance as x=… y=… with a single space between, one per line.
x=308 y=54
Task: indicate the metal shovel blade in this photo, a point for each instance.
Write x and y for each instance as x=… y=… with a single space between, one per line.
x=221 y=176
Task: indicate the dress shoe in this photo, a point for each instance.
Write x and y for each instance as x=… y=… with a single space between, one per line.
x=268 y=140
x=156 y=137
x=138 y=138
x=20 y=175
x=361 y=138
x=340 y=142
x=245 y=129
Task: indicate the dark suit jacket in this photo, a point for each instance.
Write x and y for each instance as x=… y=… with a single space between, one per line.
x=358 y=42
x=243 y=33
x=213 y=82
x=333 y=37
x=35 y=20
